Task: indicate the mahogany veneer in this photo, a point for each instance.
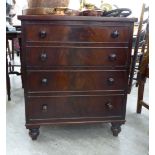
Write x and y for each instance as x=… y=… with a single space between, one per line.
x=75 y=70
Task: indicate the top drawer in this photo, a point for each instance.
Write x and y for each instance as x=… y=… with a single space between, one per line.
x=76 y=33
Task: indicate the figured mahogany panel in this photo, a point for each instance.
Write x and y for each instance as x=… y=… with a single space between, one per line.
x=76 y=80
x=76 y=56
x=75 y=106
x=76 y=33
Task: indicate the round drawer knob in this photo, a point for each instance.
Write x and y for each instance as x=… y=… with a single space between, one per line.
x=42 y=34
x=115 y=34
x=43 y=56
x=109 y=106
x=44 y=81
x=44 y=108
x=112 y=57
x=111 y=81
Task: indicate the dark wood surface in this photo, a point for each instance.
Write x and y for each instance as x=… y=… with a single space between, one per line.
x=76 y=80
x=76 y=18
x=76 y=56
x=66 y=32
x=75 y=106
x=75 y=70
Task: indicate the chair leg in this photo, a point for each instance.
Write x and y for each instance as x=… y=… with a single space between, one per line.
x=20 y=54
x=8 y=81
x=139 y=64
x=8 y=88
x=13 y=53
x=8 y=47
x=140 y=95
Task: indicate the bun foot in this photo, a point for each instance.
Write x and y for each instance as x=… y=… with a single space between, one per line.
x=34 y=133
x=116 y=129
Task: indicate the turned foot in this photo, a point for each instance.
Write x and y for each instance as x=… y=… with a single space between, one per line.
x=34 y=133
x=116 y=129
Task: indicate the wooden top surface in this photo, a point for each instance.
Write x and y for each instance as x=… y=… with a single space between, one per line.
x=76 y=18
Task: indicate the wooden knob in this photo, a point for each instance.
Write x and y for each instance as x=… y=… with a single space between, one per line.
x=109 y=105
x=111 y=81
x=44 y=108
x=115 y=34
x=44 y=81
x=42 y=34
x=43 y=56
x=112 y=57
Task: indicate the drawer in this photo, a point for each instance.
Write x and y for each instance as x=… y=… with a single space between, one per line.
x=76 y=33
x=76 y=56
x=76 y=80
x=75 y=106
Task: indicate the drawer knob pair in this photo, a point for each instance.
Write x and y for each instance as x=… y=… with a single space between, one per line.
x=42 y=34
x=43 y=56
x=109 y=106
x=112 y=57
x=115 y=34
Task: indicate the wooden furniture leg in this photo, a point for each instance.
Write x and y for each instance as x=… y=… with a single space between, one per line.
x=140 y=94
x=20 y=54
x=34 y=133
x=8 y=81
x=116 y=128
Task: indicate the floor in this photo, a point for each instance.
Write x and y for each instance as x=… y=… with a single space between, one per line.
x=95 y=139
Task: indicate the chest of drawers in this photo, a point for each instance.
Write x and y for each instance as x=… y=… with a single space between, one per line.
x=75 y=70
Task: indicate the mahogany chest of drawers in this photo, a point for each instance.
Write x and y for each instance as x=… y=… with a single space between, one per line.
x=75 y=70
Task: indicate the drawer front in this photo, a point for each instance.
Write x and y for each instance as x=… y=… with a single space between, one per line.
x=75 y=107
x=76 y=56
x=81 y=33
x=76 y=80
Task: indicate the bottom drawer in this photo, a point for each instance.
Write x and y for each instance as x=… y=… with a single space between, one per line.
x=75 y=106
